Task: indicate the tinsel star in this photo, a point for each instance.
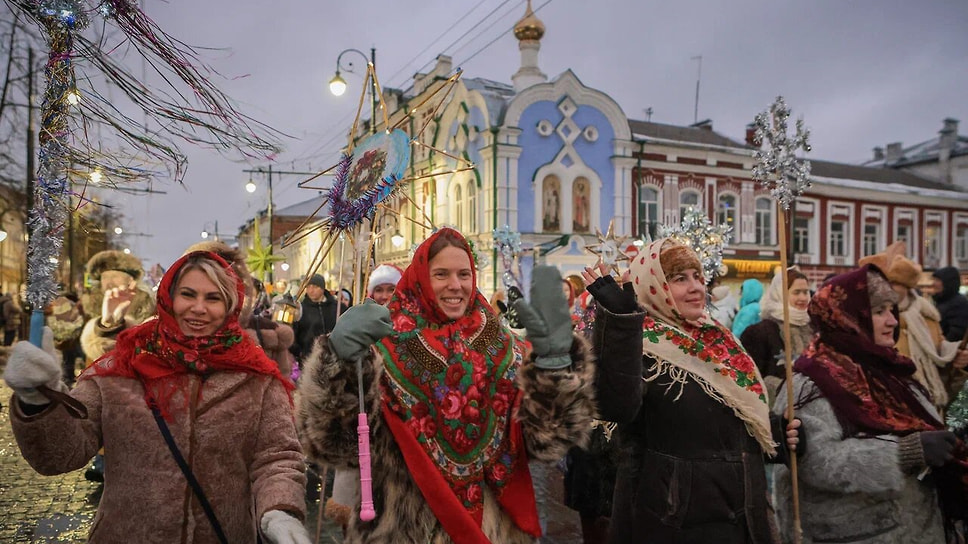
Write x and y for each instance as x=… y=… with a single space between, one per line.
x=777 y=165
x=609 y=248
x=697 y=232
x=508 y=244
x=260 y=257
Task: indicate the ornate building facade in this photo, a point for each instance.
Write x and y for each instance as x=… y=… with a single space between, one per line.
x=558 y=162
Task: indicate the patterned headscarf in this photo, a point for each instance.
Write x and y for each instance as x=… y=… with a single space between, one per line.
x=868 y=385
x=449 y=397
x=701 y=350
x=158 y=353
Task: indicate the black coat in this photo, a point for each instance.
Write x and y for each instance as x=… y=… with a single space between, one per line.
x=952 y=306
x=764 y=343
x=316 y=318
x=688 y=471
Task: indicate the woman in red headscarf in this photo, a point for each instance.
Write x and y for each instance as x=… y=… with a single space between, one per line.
x=878 y=449
x=457 y=403
x=194 y=372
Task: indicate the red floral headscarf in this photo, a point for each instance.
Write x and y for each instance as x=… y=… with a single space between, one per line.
x=158 y=353
x=869 y=386
x=449 y=398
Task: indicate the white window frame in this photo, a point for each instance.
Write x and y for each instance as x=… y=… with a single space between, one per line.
x=683 y=206
x=472 y=226
x=871 y=242
x=658 y=210
x=764 y=231
x=844 y=236
x=723 y=214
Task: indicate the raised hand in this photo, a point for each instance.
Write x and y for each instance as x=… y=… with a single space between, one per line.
x=359 y=328
x=29 y=367
x=603 y=288
x=546 y=319
x=116 y=303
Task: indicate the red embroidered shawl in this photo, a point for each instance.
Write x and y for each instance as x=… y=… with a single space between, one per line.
x=449 y=397
x=869 y=386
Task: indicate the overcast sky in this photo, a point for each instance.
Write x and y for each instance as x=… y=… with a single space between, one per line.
x=862 y=73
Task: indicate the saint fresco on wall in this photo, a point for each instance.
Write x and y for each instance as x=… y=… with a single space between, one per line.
x=551 y=204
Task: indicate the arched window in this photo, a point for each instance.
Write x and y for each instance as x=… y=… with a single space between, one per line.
x=764 y=221
x=458 y=208
x=648 y=210
x=687 y=199
x=581 y=195
x=471 y=208
x=726 y=211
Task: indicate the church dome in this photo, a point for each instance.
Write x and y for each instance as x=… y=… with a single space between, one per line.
x=529 y=27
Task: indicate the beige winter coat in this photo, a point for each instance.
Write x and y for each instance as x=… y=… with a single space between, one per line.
x=237 y=435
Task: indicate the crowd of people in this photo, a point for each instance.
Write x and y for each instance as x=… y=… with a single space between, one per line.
x=660 y=394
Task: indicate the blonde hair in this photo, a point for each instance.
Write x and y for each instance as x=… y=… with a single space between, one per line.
x=218 y=275
x=235 y=258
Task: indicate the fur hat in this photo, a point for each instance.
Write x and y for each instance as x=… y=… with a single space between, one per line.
x=895 y=266
x=385 y=273
x=879 y=289
x=676 y=257
x=114 y=260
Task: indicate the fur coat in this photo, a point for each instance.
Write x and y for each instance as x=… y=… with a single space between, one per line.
x=275 y=339
x=238 y=436
x=97 y=340
x=856 y=490
x=556 y=411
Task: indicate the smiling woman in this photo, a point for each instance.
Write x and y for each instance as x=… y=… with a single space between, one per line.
x=457 y=402
x=692 y=414
x=870 y=424
x=202 y=298
x=194 y=373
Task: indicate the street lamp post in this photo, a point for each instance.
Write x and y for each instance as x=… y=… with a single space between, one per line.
x=251 y=187
x=337 y=85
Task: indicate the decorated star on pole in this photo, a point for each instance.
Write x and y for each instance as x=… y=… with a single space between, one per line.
x=260 y=258
x=776 y=163
x=708 y=240
x=609 y=248
x=508 y=245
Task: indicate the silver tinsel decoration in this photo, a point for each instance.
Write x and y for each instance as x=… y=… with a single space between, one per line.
x=776 y=164
x=707 y=240
x=508 y=244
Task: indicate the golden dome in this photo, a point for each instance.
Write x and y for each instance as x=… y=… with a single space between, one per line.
x=529 y=27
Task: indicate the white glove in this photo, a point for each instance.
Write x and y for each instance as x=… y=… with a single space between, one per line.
x=282 y=528
x=29 y=366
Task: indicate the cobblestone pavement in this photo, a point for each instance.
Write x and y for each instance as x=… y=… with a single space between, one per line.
x=59 y=509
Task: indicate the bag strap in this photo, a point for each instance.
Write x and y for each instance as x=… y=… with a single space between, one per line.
x=196 y=487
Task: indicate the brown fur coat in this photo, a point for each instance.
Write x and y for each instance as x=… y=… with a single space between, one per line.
x=238 y=437
x=274 y=339
x=556 y=412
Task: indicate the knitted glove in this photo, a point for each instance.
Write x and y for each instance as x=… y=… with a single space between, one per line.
x=29 y=366
x=615 y=299
x=359 y=328
x=547 y=319
x=282 y=528
x=938 y=447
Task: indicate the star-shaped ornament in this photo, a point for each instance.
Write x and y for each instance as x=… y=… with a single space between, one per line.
x=609 y=248
x=260 y=258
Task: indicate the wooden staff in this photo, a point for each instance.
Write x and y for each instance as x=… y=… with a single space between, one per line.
x=797 y=532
